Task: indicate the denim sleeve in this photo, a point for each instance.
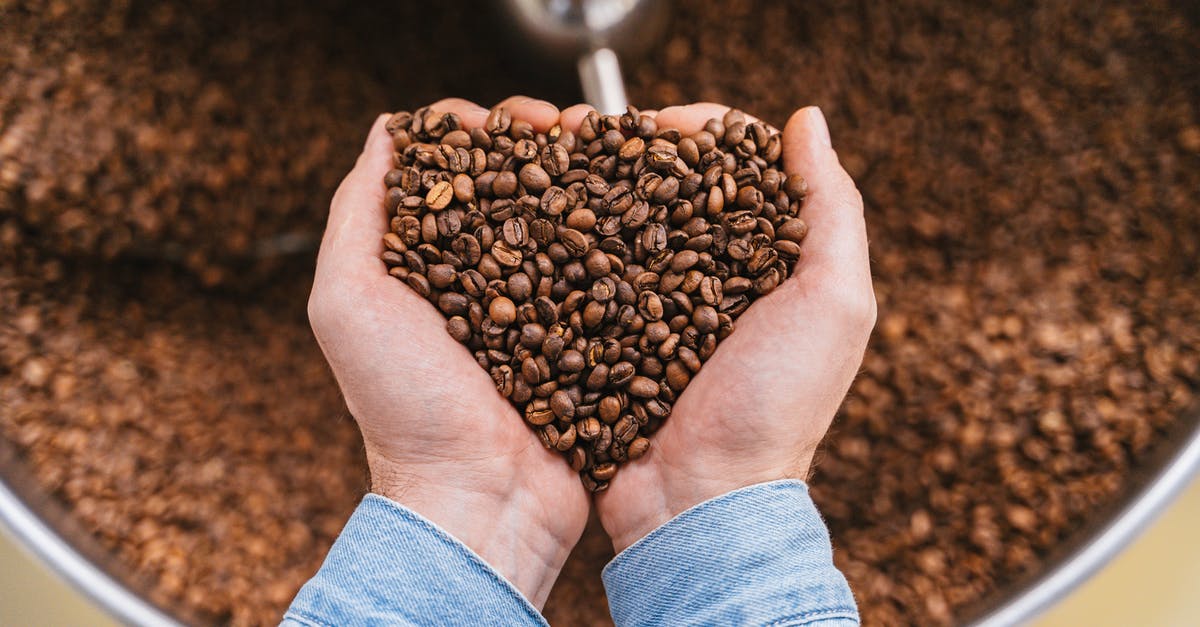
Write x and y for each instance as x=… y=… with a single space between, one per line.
x=755 y=556
x=391 y=566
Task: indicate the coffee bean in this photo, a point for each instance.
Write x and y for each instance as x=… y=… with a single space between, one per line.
x=571 y=361
x=441 y=275
x=502 y=311
x=637 y=448
x=588 y=429
x=574 y=241
x=534 y=178
x=597 y=264
x=705 y=319
x=793 y=230
x=643 y=387
x=621 y=373
x=632 y=149
x=562 y=405
x=515 y=232
x=459 y=328
x=650 y=305
x=439 y=196
x=538 y=413
x=506 y=254
x=505 y=184
x=498 y=121
x=604 y=472
x=795 y=187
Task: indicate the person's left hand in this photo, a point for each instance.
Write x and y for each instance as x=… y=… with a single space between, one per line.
x=439 y=438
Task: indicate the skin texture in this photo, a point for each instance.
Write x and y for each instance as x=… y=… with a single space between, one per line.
x=440 y=440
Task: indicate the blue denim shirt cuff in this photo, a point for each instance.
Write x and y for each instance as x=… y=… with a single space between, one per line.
x=392 y=566
x=756 y=556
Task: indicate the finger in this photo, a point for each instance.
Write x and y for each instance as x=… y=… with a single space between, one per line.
x=357 y=220
x=472 y=115
x=541 y=114
x=690 y=119
x=572 y=116
x=836 y=244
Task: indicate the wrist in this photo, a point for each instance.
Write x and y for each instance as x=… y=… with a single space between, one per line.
x=678 y=488
x=492 y=511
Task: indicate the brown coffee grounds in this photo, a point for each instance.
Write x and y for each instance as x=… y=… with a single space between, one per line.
x=1029 y=175
x=209 y=133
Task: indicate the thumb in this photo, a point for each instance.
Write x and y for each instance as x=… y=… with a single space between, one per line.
x=835 y=248
x=357 y=219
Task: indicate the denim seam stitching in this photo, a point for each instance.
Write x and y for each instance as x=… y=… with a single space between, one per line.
x=304 y=617
x=473 y=557
x=808 y=617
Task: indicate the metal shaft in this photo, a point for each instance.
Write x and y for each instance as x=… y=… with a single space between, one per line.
x=603 y=86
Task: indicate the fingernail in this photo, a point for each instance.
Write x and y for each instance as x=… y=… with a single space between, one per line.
x=819 y=127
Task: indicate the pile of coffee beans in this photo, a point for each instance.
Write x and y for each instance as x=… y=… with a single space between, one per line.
x=591 y=273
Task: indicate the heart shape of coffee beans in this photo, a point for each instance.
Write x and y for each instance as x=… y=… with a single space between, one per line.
x=590 y=273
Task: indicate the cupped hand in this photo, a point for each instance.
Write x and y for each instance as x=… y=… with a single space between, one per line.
x=761 y=404
x=439 y=438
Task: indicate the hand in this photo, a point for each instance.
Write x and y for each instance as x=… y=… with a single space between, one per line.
x=439 y=438
x=759 y=407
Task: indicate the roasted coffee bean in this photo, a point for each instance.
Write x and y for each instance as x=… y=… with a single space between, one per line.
x=562 y=405
x=515 y=232
x=459 y=328
x=604 y=472
x=588 y=429
x=571 y=361
x=643 y=387
x=439 y=196
x=637 y=448
x=705 y=319
x=795 y=187
x=538 y=412
x=534 y=178
x=549 y=436
x=650 y=305
x=621 y=373
x=574 y=241
x=498 y=121
x=793 y=230
x=609 y=409
x=502 y=311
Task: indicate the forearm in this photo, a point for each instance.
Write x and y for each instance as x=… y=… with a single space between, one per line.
x=759 y=555
x=391 y=565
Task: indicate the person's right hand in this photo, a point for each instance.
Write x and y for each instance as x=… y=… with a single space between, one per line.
x=760 y=405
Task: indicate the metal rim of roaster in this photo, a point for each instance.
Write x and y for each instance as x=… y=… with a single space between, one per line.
x=1176 y=468
x=36 y=536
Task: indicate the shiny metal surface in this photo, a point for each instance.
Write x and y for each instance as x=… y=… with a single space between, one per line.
x=31 y=531
x=1177 y=465
x=597 y=33
x=603 y=87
